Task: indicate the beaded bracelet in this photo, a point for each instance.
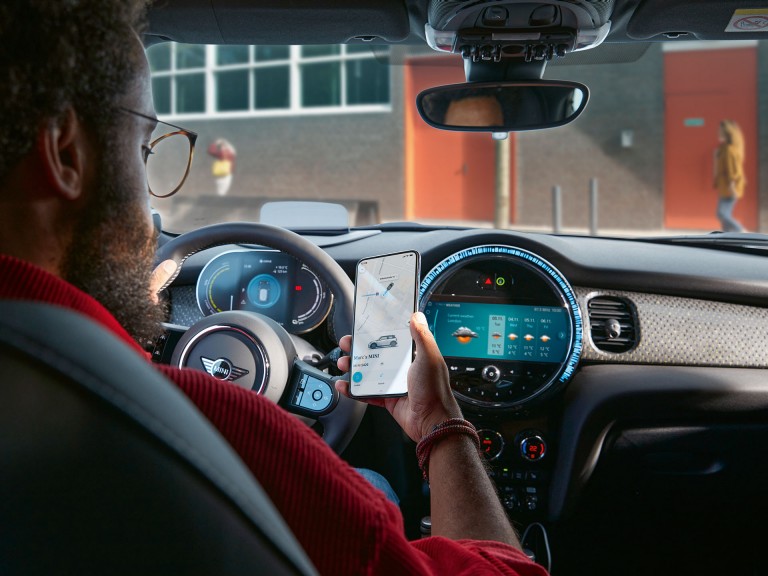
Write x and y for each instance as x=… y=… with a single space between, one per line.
x=438 y=432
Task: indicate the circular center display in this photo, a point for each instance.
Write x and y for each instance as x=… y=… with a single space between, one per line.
x=507 y=323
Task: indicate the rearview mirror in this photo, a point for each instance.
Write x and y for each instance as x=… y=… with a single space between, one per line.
x=502 y=106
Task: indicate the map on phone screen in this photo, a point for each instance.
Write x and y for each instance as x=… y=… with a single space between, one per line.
x=385 y=299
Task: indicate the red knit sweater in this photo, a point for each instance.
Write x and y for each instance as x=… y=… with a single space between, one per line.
x=344 y=524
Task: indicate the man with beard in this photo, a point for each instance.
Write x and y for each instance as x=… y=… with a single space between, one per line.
x=75 y=230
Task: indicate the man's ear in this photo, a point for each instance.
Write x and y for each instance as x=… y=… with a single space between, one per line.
x=64 y=150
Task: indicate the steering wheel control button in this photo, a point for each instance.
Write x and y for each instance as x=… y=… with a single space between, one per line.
x=491 y=443
x=165 y=344
x=491 y=373
x=159 y=348
x=313 y=394
x=533 y=448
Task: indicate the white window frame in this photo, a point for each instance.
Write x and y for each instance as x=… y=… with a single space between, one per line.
x=294 y=63
x=173 y=72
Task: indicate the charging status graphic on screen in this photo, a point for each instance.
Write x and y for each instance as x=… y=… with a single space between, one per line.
x=385 y=299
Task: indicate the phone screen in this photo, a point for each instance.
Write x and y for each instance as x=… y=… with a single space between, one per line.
x=382 y=349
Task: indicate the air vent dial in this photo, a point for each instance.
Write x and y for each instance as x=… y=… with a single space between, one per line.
x=613 y=324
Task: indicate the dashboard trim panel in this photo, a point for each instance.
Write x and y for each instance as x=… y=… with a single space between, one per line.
x=686 y=331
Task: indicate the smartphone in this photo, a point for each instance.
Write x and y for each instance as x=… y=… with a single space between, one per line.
x=386 y=294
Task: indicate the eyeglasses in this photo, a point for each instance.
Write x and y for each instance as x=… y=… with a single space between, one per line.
x=168 y=158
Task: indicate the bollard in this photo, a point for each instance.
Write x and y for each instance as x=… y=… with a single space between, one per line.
x=501 y=217
x=593 y=206
x=557 y=210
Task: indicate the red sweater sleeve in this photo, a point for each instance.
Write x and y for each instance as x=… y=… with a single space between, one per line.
x=344 y=524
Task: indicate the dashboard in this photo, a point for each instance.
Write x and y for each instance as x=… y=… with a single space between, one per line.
x=563 y=351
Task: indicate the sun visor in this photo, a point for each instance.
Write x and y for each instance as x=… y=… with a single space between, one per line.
x=191 y=21
x=699 y=19
x=272 y=22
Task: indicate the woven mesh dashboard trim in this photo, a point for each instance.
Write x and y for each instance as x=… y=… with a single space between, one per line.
x=184 y=309
x=686 y=331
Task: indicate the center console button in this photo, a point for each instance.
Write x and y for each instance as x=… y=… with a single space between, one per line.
x=490 y=373
x=533 y=448
x=491 y=443
x=511 y=501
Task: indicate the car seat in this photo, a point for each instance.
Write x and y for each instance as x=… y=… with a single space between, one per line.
x=108 y=468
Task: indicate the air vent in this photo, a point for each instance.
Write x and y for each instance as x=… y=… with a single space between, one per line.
x=613 y=324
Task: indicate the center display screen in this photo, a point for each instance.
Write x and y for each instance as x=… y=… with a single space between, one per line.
x=500 y=331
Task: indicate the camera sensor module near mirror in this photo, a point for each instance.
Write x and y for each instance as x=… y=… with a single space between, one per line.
x=382 y=348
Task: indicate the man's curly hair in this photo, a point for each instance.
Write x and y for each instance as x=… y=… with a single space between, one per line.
x=60 y=53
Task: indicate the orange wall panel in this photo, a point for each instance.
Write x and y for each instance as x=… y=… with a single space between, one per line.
x=703 y=87
x=449 y=175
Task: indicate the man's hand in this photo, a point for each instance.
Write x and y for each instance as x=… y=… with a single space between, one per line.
x=455 y=465
x=429 y=400
x=160 y=276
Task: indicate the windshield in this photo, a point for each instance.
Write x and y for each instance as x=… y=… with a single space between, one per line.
x=668 y=143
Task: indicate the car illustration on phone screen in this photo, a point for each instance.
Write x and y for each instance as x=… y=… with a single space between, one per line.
x=387 y=341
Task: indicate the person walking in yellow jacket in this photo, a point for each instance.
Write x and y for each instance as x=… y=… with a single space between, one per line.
x=729 y=174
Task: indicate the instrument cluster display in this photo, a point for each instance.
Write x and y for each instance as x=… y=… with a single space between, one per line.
x=267 y=282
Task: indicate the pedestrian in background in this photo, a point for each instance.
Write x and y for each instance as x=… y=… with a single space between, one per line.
x=224 y=155
x=729 y=174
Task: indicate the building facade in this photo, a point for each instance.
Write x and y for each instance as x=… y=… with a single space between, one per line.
x=338 y=123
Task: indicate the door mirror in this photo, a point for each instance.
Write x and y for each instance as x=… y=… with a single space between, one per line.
x=502 y=106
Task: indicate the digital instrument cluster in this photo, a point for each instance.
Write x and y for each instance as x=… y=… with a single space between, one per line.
x=268 y=282
x=507 y=323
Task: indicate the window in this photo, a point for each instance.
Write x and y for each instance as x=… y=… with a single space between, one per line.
x=192 y=79
x=271 y=88
x=178 y=78
x=366 y=84
x=320 y=84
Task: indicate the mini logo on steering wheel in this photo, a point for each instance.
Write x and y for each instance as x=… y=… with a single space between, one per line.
x=223 y=369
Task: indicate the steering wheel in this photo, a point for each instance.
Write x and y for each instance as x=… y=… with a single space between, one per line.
x=253 y=351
